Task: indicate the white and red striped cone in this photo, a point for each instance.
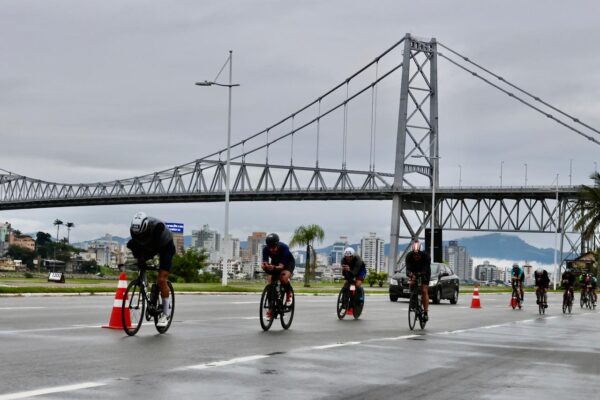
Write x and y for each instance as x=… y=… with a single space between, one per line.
x=115 y=317
x=475 y=303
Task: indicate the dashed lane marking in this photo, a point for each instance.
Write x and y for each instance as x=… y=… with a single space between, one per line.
x=50 y=390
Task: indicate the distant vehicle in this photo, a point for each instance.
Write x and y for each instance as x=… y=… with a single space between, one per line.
x=443 y=284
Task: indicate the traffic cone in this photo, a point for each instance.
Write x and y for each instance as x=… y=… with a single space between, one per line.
x=475 y=302
x=115 y=317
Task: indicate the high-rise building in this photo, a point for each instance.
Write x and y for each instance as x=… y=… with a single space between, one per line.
x=4 y=231
x=235 y=247
x=209 y=240
x=486 y=272
x=459 y=260
x=372 y=252
x=177 y=232
x=337 y=250
x=252 y=254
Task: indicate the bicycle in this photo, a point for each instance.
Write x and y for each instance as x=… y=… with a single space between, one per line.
x=137 y=305
x=540 y=300
x=273 y=304
x=516 y=300
x=583 y=298
x=568 y=300
x=348 y=302
x=415 y=306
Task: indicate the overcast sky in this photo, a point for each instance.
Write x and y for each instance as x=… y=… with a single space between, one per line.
x=97 y=91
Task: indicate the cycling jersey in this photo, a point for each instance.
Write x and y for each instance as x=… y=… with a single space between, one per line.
x=518 y=273
x=569 y=277
x=357 y=266
x=157 y=239
x=418 y=262
x=281 y=256
x=541 y=279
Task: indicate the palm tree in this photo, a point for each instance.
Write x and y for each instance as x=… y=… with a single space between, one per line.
x=306 y=235
x=69 y=225
x=58 y=223
x=589 y=207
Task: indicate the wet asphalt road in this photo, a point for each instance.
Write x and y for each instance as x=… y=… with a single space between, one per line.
x=53 y=348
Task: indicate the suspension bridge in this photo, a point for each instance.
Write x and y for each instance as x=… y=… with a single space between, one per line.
x=291 y=160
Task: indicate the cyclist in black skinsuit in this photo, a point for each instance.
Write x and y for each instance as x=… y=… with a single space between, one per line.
x=419 y=262
x=568 y=282
x=281 y=259
x=149 y=237
x=542 y=282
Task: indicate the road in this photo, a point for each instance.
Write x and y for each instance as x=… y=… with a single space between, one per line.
x=54 y=348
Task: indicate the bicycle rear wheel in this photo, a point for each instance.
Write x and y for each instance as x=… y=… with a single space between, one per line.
x=342 y=304
x=412 y=310
x=163 y=329
x=565 y=303
x=287 y=312
x=358 y=304
x=266 y=306
x=133 y=308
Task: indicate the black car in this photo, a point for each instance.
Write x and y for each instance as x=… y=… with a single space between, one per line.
x=442 y=286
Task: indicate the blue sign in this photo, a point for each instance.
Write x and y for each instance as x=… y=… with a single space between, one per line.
x=174 y=227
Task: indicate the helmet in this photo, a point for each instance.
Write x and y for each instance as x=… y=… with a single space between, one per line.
x=348 y=252
x=139 y=223
x=539 y=270
x=272 y=239
x=515 y=266
x=415 y=245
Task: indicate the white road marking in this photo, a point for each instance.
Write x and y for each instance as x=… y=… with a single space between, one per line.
x=64 y=328
x=226 y=362
x=56 y=389
x=330 y=346
x=22 y=308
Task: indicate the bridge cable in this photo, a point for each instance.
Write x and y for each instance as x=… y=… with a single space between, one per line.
x=374 y=90
x=576 y=120
x=345 y=131
x=292 y=150
x=475 y=74
x=318 y=132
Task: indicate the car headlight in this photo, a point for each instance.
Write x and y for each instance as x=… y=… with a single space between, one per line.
x=393 y=282
x=433 y=282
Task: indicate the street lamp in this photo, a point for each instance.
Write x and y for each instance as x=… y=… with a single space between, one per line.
x=433 y=181
x=230 y=86
x=525 y=174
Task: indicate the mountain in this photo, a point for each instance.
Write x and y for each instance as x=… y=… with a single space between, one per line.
x=494 y=245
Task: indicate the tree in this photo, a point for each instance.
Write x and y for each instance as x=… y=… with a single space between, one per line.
x=372 y=277
x=69 y=225
x=58 y=223
x=589 y=208
x=186 y=265
x=306 y=235
x=381 y=278
x=20 y=253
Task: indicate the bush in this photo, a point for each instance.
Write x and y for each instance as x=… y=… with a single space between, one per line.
x=28 y=275
x=381 y=278
x=372 y=277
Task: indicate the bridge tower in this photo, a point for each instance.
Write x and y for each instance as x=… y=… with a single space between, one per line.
x=417 y=150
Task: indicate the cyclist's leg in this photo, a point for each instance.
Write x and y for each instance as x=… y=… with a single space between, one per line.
x=166 y=262
x=545 y=296
x=359 y=289
x=521 y=289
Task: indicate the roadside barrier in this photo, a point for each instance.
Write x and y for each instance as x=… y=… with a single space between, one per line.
x=475 y=303
x=115 y=317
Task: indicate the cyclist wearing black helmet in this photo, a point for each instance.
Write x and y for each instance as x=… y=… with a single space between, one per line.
x=277 y=259
x=149 y=237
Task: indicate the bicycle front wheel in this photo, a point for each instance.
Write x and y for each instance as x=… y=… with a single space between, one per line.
x=265 y=311
x=342 y=304
x=169 y=313
x=412 y=311
x=287 y=311
x=133 y=308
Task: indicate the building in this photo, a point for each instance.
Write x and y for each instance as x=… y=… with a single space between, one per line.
x=459 y=260
x=372 y=252
x=486 y=272
x=23 y=241
x=234 y=249
x=4 y=231
x=177 y=232
x=209 y=240
x=106 y=251
x=252 y=254
x=337 y=251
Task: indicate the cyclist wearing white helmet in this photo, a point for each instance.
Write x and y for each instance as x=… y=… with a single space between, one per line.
x=354 y=269
x=419 y=262
x=149 y=237
x=542 y=282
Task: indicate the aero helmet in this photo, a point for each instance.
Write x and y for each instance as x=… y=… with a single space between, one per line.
x=348 y=252
x=139 y=223
x=272 y=239
x=415 y=245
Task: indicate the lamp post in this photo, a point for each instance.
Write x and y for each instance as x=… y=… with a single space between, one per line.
x=431 y=158
x=230 y=85
x=525 y=164
x=556 y=268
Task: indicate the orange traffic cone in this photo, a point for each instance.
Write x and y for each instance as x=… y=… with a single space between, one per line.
x=475 y=302
x=115 y=317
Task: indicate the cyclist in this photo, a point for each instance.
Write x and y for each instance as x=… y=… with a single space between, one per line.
x=583 y=283
x=149 y=237
x=277 y=258
x=518 y=278
x=591 y=281
x=568 y=281
x=354 y=269
x=542 y=282
x=418 y=262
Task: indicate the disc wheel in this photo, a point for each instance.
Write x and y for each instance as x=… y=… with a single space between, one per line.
x=265 y=306
x=358 y=307
x=163 y=329
x=133 y=308
x=287 y=312
x=342 y=305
